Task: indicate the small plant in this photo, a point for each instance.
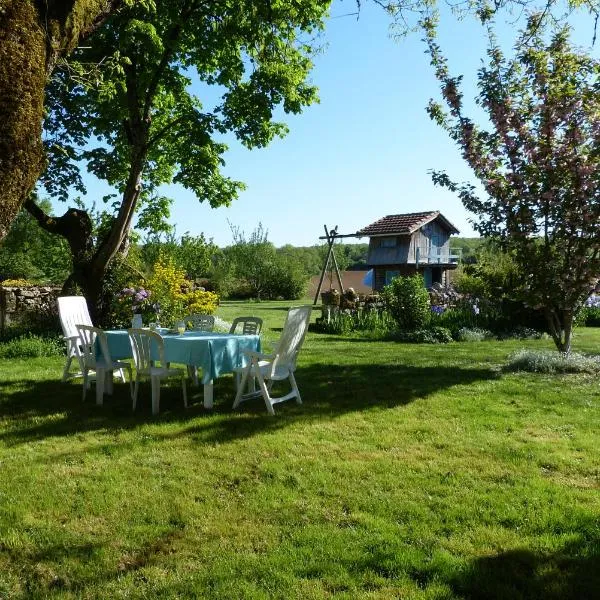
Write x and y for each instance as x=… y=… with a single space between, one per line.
x=552 y=362
x=475 y=334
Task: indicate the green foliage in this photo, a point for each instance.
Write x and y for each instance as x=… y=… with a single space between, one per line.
x=535 y=361
x=256 y=58
x=123 y=272
x=252 y=268
x=373 y=323
x=431 y=335
x=467 y=247
x=28 y=252
x=590 y=316
x=30 y=345
x=193 y=254
x=407 y=301
x=458 y=317
x=493 y=284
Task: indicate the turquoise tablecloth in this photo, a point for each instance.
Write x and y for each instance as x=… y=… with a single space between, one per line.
x=214 y=353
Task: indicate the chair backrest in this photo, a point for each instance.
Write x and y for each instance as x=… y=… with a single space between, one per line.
x=87 y=338
x=73 y=310
x=250 y=325
x=143 y=341
x=292 y=336
x=200 y=322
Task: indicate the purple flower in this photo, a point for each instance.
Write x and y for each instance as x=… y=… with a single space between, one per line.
x=438 y=310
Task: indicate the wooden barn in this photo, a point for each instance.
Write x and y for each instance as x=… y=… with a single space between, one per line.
x=410 y=243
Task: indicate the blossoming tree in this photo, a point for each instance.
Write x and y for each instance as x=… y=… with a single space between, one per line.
x=538 y=164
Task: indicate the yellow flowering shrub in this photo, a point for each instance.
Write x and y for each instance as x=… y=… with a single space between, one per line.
x=201 y=302
x=16 y=283
x=174 y=293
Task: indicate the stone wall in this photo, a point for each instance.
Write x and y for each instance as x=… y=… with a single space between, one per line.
x=32 y=304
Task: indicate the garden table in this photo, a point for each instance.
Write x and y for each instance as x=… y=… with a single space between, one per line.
x=215 y=353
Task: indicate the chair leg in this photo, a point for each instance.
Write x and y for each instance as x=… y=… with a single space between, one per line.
x=135 y=391
x=85 y=384
x=108 y=382
x=265 y=393
x=193 y=374
x=130 y=382
x=101 y=375
x=295 y=388
x=184 y=387
x=155 y=383
x=240 y=387
x=122 y=375
x=65 y=374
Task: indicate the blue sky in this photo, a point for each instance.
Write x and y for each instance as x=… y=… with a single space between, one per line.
x=364 y=151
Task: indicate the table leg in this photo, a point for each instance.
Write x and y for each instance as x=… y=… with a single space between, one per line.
x=208 y=394
x=108 y=383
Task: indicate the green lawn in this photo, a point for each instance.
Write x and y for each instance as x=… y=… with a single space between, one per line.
x=410 y=471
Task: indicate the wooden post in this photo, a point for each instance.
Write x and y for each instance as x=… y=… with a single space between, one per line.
x=329 y=251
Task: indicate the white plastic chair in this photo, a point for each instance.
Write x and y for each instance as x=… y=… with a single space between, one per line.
x=200 y=322
x=250 y=325
x=143 y=342
x=197 y=322
x=104 y=365
x=280 y=365
x=73 y=310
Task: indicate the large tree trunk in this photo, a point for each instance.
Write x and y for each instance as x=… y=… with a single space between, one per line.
x=88 y=271
x=33 y=35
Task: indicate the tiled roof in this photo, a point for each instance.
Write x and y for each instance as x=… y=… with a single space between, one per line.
x=404 y=224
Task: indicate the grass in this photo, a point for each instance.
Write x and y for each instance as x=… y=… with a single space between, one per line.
x=410 y=471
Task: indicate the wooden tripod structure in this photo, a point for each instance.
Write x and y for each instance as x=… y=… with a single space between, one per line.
x=331 y=236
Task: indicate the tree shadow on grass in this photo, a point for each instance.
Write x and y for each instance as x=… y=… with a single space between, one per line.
x=327 y=390
x=330 y=391
x=33 y=409
x=571 y=573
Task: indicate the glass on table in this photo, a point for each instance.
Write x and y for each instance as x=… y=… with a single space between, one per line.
x=180 y=326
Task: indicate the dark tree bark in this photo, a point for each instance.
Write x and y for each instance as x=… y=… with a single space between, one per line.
x=88 y=271
x=34 y=34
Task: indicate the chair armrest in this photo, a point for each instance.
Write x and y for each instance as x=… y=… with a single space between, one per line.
x=252 y=354
x=70 y=338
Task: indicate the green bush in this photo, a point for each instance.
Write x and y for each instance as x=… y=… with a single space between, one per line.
x=31 y=346
x=407 y=301
x=590 y=316
x=431 y=335
x=552 y=362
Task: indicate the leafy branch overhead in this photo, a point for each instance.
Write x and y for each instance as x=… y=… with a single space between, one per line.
x=538 y=163
x=152 y=96
x=170 y=79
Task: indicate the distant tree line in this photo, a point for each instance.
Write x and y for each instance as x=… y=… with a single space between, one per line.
x=250 y=267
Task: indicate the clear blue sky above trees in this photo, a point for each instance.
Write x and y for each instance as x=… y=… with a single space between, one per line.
x=365 y=150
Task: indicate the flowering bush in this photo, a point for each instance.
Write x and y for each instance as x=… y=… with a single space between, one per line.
x=137 y=301
x=175 y=294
